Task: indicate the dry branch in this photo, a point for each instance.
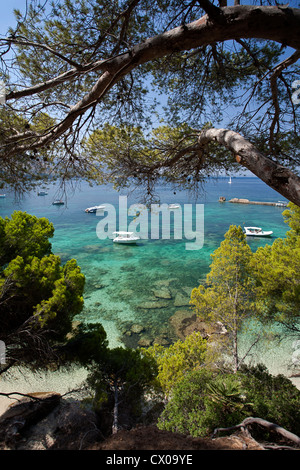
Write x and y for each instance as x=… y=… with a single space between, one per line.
x=265 y=424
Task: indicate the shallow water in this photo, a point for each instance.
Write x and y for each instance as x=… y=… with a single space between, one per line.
x=123 y=282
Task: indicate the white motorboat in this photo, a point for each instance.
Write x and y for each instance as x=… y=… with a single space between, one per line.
x=2 y=195
x=281 y=204
x=257 y=232
x=94 y=209
x=126 y=238
x=58 y=203
x=173 y=206
x=42 y=193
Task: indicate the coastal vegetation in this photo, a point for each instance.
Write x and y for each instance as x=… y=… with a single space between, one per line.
x=276 y=269
x=193 y=386
x=83 y=83
x=229 y=294
x=207 y=399
x=38 y=295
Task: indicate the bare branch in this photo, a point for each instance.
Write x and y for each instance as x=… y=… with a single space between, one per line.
x=274 y=90
x=19 y=40
x=266 y=424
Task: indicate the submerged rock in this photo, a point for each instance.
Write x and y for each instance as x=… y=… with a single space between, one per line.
x=185 y=322
x=181 y=300
x=154 y=304
x=99 y=286
x=162 y=293
x=162 y=340
x=127 y=292
x=137 y=329
x=145 y=342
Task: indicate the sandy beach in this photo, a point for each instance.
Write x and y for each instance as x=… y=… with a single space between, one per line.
x=28 y=382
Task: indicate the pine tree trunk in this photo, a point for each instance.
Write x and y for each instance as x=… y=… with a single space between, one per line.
x=115 y=425
x=273 y=174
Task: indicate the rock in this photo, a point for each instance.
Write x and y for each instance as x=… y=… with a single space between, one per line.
x=145 y=342
x=164 y=282
x=161 y=340
x=137 y=329
x=188 y=290
x=75 y=427
x=47 y=423
x=185 y=322
x=162 y=293
x=181 y=300
x=127 y=292
x=154 y=304
x=24 y=414
x=91 y=248
x=73 y=332
x=219 y=329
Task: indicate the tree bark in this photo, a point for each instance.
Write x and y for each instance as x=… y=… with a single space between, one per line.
x=278 y=177
x=266 y=424
x=115 y=425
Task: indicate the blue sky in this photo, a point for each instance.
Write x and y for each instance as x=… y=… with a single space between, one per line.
x=6 y=13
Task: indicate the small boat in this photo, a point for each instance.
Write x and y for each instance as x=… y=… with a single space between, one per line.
x=125 y=238
x=94 y=209
x=42 y=193
x=281 y=204
x=257 y=232
x=2 y=195
x=58 y=203
x=173 y=206
x=229 y=182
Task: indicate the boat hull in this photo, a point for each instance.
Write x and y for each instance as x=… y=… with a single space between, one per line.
x=126 y=242
x=265 y=235
x=94 y=209
x=257 y=232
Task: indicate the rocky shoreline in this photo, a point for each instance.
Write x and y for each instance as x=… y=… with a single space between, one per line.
x=177 y=326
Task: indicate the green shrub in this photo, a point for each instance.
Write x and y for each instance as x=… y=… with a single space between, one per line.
x=205 y=400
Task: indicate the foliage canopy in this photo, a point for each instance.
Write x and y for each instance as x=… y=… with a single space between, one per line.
x=38 y=295
x=72 y=67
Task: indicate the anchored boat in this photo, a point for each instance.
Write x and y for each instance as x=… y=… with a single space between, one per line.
x=94 y=209
x=58 y=203
x=125 y=238
x=257 y=232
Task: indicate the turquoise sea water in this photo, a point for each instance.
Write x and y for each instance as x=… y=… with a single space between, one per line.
x=146 y=284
